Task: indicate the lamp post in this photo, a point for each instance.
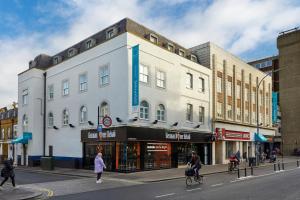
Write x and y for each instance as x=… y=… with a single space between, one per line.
x=257 y=111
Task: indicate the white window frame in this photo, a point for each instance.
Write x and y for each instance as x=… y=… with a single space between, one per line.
x=104 y=75
x=104 y=110
x=25 y=123
x=65 y=117
x=161 y=113
x=153 y=38
x=25 y=97
x=160 y=79
x=181 y=52
x=144 y=110
x=201 y=84
x=219 y=85
x=170 y=47
x=50 y=92
x=110 y=33
x=144 y=74
x=50 y=120
x=90 y=43
x=189 y=112
x=65 y=90
x=201 y=114
x=189 y=80
x=83 y=84
x=83 y=115
x=193 y=58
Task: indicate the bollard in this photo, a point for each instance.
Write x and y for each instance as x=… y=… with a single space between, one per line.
x=278 y=166
x=245 y=172
x=297 y=163
x=282 y=166
x=238 y=172
x=275 y=167
x=251 y=170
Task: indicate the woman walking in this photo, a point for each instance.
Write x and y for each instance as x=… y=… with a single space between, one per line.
x=8 y=172
x=99 y=165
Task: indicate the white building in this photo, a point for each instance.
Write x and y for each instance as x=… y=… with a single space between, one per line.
x=59 y=98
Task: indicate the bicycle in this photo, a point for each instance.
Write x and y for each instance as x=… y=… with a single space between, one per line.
x=233 y=164
x=191 y=176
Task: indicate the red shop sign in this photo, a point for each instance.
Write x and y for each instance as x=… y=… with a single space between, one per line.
x=236 y=135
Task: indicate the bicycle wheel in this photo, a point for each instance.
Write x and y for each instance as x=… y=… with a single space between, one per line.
x=230 y=167
x=188 y=181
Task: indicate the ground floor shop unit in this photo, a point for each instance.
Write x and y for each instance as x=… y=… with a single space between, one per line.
x=128 y=149
x=231 y=138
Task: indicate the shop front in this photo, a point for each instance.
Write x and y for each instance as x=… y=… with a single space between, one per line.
x=128 y=149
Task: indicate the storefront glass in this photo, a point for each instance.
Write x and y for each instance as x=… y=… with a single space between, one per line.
x=184 y=153
x=128 y=156
x=157 y=155
x=229 y=149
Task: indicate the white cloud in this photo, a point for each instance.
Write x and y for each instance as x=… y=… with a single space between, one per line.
x=238 y=26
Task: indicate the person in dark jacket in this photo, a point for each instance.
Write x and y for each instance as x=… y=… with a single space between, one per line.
x=195 y=163
x=8 y=172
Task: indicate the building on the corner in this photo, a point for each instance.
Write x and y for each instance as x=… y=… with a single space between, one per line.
x=288 y=44
x=8 y=131
x=234 y=102
x=270 y=65
x=159 y=115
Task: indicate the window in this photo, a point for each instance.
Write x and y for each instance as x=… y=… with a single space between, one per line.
x=201 y=114
x=50 y=120
x=144 y=110
x=57 y=59
x=65 y=117
x=50 y=92
x=25 y=123
x=219 y=83
x=144 y=74
x=202 y=84
x=269 y=63
x=219 y=109
x=160 y=79
x=229 y=148
x=65 y=86
x=104 y=109
x=153 y=39
x=189 y=112
x=193 y=58
x=257 y=65
x=181 y=52
x=171 y=47
x=104 y=75
x=72 y=52
x=189 y=80
x=110 y=33
x=238 y=101
x=25 y=97
x=253 y=105
x=83 y=82
x=161 y=112
x=90 y=43
x=83 y=114
x=2 y=134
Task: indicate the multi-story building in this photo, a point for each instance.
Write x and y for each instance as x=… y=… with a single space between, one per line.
x=270 y=65
x=235 y=86
x=156 y=95
x=288 y=44
x=8 y=128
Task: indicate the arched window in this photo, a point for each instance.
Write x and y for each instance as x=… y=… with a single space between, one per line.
x=83 y=114
x=104 y=109
x=65 y=117
x=160 y=113
x=25 y=123
x=50 y=119
x=144 y=110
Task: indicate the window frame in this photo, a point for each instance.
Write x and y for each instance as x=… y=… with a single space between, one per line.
x=65 y=89
x=189 y=81
x=170 y=47
x=201 y=115
x=25 y=97
x=52 y=120
x=181 y=52
x=161 y=113
x=160 y=80
x=143 y=75
x=83 y=84
x=65 y=117
x=50 y=91
x=153 y=36
x=189 y=112
x=104 y=76
x=25 y=125
x=83 y=119
x=202 y=85
x=144 y=113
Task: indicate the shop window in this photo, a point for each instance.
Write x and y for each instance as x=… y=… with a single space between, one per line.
x=229 y=149
x=144 y=110
x=128 y=156
x=157 y=156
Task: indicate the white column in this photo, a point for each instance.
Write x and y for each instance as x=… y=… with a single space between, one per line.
x=223 y=152
x=213 y=153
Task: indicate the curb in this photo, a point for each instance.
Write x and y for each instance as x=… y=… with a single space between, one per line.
x=36 y=195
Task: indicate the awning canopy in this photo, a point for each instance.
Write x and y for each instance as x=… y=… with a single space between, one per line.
x=260 y=138
x=23 y=139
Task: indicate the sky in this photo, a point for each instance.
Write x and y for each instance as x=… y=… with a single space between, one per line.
x=246 y=28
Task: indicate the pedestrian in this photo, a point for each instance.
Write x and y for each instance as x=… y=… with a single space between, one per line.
x=8 y=172
x=99 y=165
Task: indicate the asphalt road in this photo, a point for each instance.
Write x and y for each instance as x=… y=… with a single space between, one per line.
x=264 y=185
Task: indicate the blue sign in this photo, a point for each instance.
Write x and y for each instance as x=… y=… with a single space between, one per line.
x=135 y=75
x=99 y=128
x=274 y=107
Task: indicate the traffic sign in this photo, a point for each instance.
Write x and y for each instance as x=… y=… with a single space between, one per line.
x=107 y=121
x=99 y=128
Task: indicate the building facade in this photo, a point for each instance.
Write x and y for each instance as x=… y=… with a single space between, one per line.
x=8 y=128
x=144 y=107
x=288 y=44
x=235 y=86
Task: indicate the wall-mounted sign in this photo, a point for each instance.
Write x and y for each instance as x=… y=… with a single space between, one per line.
x=106 y=121
x=178 y=136
x=135 y=77
x=223 y=134
x=92 y=135
x=107 y=134
x=99 y=128
x=152 y=147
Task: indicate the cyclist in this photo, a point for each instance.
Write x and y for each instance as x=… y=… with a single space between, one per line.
x=195 y=163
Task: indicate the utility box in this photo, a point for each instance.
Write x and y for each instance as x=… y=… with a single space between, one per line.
x=47 y=163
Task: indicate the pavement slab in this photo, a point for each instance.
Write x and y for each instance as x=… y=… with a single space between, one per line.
x=19 y=193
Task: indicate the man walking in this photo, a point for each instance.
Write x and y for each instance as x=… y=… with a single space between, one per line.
x=8 y=172
x=99 y=165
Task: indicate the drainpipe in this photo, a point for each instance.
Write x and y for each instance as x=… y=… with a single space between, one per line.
x=44 y=117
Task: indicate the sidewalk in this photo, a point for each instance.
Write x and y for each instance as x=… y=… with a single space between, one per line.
x=19 y=193
x=147 y=176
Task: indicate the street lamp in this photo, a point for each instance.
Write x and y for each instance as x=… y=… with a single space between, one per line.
x=257 y=112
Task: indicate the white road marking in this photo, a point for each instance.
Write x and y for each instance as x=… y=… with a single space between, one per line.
x=194 y=189
x=215 y=185
x=164 y=195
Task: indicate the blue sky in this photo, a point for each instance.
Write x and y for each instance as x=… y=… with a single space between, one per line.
x=247 y=28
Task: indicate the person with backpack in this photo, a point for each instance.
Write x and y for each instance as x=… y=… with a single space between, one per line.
x=8 y=172
x=195 y=163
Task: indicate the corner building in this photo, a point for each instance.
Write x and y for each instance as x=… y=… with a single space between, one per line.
x=234 y=103
x=61 y=97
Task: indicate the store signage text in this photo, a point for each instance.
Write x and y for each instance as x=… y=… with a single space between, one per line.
x=92 y=135
x=107 y=134
x=223 y=134
x=151 y=147
x=178 y=136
